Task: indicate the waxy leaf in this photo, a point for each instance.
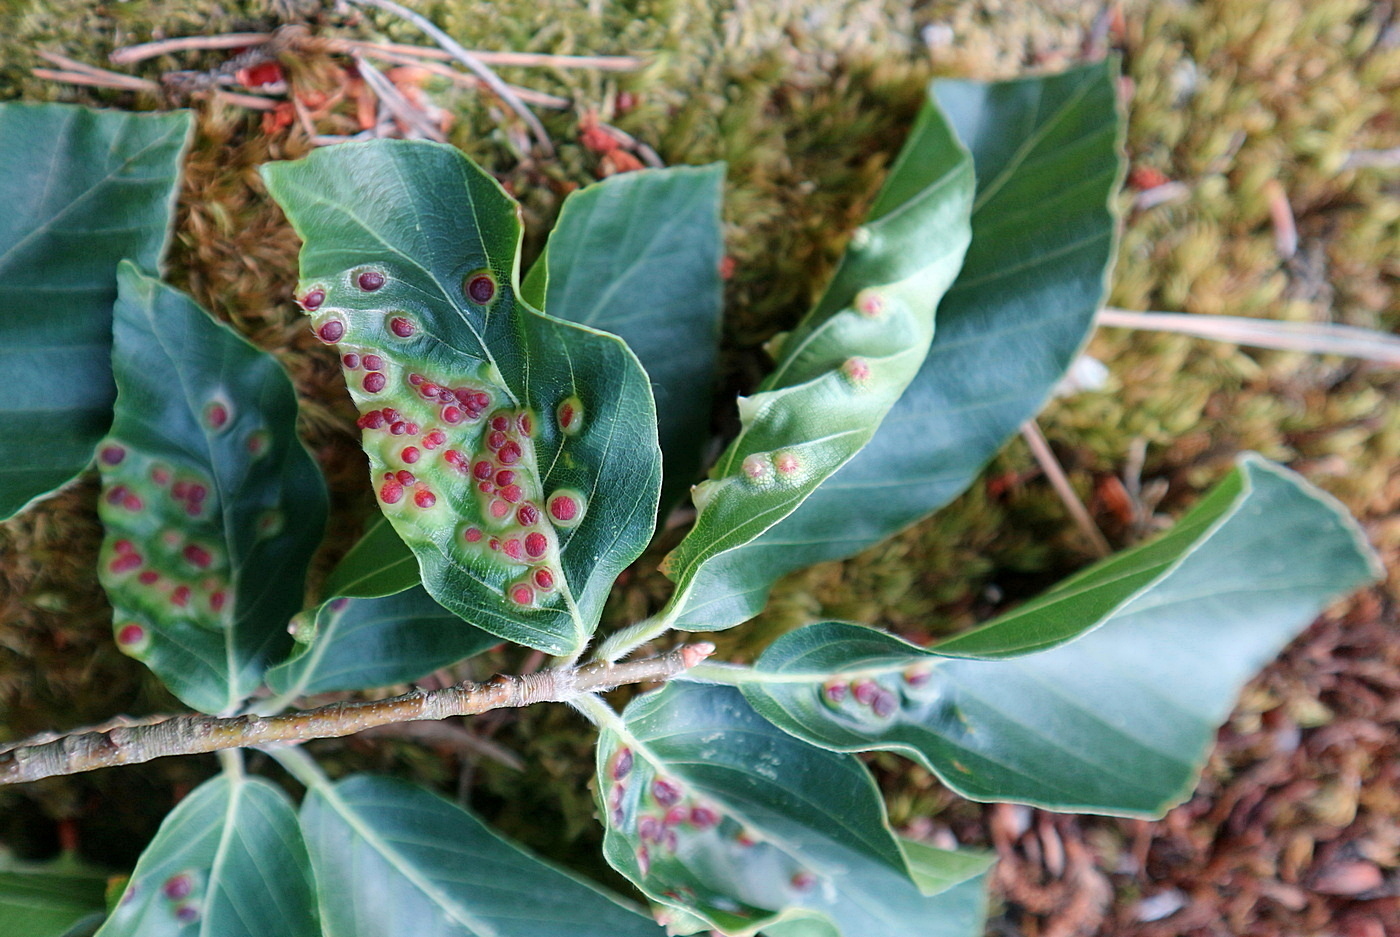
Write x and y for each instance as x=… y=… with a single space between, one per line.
x=1046 y=151
x=355 y=644
x=228 y=860
x=54 y=899
x=638 y=255
x=82 y=189
x=212 y=507
x=379 y=563
x=731 y=824
x=392 y=858
x=1117 y=721
x=514 y=453
x=837 y=374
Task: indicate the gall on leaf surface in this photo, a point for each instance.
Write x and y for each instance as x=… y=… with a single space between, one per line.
x=638 y=255
x=82 y=190
x=837 y=374
x=210 y=504
x=515 y=454
x=392 y=858
x=1104 y=694
x=1048 y=163
x=727 y=823
x=228 y=860
x=378 y=625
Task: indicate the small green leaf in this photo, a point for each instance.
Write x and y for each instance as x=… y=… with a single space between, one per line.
x=363 y=643
x=514 y=453
x=638 y=255
x=212 y=506
x=1047 y=156
x=228 y=860
x=82 y=189
x=723 y=819
x=837 y=374
x=392 y=858
x=1117 y=721
x=380 y=563
x=54 y=899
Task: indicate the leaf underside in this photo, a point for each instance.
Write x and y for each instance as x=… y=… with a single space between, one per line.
x=391 y=858
x=836 y=376
x=228 y=860
x=1119 y=719
x=82 y=189
x=728 y=823
x=638 y=255
x=514 y=453
x=1046 y=152
x=210 y=504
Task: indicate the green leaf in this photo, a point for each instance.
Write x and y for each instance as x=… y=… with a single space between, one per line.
x=410 y=264
x=638 y=255
x=212 y=506
x=717 y=815
x=54 y=899
x=380 y=563
x=82 y=189
x=363 y=643
x=837 y=374
x=228 y=860
x=1119 y=720
x=392 y=858
x=1046 y=152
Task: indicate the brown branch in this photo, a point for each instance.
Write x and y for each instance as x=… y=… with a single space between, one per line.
x=187 y=735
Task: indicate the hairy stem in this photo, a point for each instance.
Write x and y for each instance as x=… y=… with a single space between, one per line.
x=187 y=735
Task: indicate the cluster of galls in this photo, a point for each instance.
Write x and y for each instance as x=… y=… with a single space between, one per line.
x=178 y=894
x=444 y=434
x=150 y=567
x=870 y=694
x=675 y=813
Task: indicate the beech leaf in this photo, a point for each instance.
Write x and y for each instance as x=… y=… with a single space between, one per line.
x=638 y=255
x=82 y=189
x=211 y=505
x=513 y=452
x=837 y=374
x=392 y=858
x=1046 y=152
x=729 y=823
x=1104 y=694
x=228 y=860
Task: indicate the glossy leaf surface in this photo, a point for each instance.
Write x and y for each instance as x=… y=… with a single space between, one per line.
x=1117 y=721
x=50 y=900
x=638 y=255
x=734 y=825
x=392 y=858
x=358 y=643
x=837 y=374
x=1047 y=158
x=210 y=503
x=228 y=860
x=514 y=453
x=82 y=189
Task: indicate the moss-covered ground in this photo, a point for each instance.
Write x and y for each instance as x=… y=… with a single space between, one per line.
x=1296 y=827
